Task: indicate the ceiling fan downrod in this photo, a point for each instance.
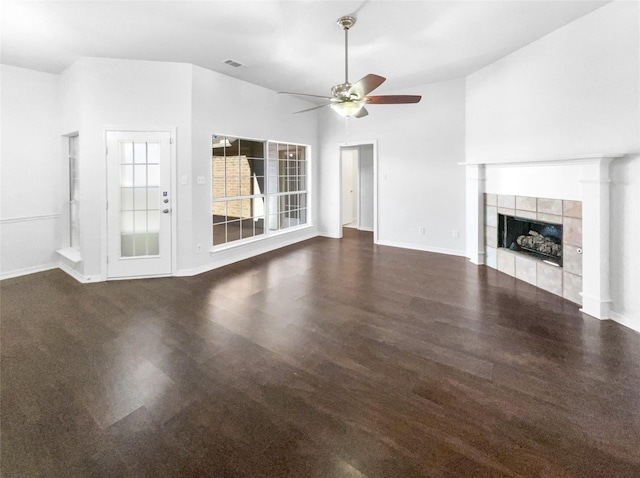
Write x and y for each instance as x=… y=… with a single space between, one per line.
x=346 y=23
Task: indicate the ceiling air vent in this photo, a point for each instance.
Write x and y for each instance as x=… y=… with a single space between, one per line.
x=232 y=63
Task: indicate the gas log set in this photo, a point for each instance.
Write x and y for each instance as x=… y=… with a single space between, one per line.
x=535 y=241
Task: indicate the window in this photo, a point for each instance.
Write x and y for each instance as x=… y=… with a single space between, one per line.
x=248 y=188
x=74 y=227
x=238 y=189
x=287 y=186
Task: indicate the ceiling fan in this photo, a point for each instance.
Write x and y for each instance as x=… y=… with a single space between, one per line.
x=349 y=99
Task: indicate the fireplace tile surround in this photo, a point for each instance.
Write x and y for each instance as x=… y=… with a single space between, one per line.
x=563 y=281
x=584 y=184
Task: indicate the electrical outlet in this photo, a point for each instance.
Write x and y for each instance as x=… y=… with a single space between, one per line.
x=422 y=231
x=200 y=179
x=455 y=234
x=199 y=248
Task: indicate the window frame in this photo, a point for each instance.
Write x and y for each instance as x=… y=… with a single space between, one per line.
x=288 y=193
x=74 y=191
x=265 y=194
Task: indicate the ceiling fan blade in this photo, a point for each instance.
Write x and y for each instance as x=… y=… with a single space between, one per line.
x=362 y=113
x=304 y=94
x=366 y=85
x=393 y=99
x=311 y=109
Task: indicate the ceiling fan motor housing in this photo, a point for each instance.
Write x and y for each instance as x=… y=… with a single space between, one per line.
x=342 y=92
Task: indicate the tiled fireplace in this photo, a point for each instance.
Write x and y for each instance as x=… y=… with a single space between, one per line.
x=567 y=195
x=559 y=274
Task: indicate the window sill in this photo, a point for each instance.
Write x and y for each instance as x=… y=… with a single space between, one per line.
x=70 y=254
x=258 y=239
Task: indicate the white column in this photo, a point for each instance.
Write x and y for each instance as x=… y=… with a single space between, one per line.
x=595 y=237
x=475 y=213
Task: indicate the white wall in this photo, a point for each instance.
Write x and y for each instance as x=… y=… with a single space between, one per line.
x=126 y=94
x=419 y=180
x=223 y=105
x=94 y=95
x=625 y=250
x=31 y=182
x=574 y=92
x=366 y=187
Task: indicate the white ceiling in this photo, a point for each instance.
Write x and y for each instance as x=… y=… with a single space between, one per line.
x=285 y=45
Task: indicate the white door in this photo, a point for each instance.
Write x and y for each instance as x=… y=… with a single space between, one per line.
x=139 y=203
x=349 y=186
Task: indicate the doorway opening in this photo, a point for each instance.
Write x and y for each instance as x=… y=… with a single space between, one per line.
x=358 y=188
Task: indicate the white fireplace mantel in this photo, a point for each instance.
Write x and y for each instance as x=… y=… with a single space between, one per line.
x=585 y=178
x=538 y=161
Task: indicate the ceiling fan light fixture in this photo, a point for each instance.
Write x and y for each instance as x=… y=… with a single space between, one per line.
x=348 y=108
x=349 y=99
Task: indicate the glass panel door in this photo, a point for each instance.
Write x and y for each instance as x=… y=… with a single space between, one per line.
x=139 y=212
x=139 y=198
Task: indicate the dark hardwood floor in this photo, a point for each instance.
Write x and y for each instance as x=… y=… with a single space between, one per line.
x=330 y=358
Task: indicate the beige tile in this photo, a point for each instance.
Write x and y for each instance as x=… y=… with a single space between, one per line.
x=550 y=218
x=507 y=201
x=526 y=214
x=491 y=216
x=572 y=260
x=490 y=199
x=491 y=236
x=526 y=269
x=506 y=211
x=572 y=231
x=572 y=209
x=491 y=257
x=506 y=262
x=550 y=206
x=572 y=288
x=526 y=203
x=549 y=278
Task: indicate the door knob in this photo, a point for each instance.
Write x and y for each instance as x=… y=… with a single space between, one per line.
x=166 y=211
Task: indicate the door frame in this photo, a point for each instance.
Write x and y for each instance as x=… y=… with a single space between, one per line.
x=355 y=144
x=104 y=247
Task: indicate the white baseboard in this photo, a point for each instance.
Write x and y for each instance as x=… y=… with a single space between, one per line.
x=478 y=259
x=28 y=270
x=229 y=256
x=626 y=321
x=418 y=247
x=366 y=229
x=331 y=235
x=77 y=276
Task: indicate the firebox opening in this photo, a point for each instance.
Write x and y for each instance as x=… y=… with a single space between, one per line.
x=535 y=238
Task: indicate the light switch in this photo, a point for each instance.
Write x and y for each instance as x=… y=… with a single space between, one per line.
x=200 y=179
x=184 y=180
